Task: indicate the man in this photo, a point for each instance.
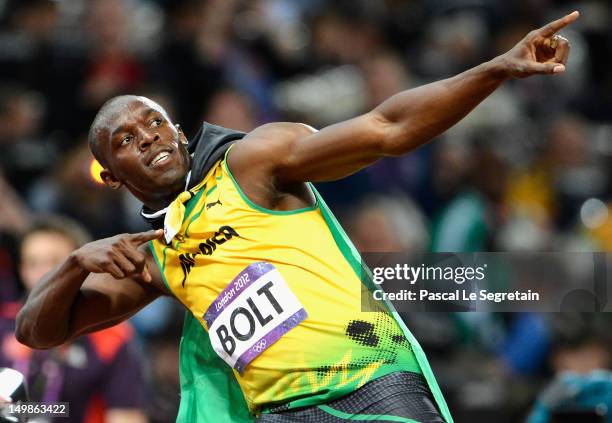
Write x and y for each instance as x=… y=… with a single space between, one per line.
x=100 y=375
x=253 y=253
x=581 y=389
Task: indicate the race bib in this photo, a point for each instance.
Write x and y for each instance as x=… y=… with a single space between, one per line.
x=253 y=312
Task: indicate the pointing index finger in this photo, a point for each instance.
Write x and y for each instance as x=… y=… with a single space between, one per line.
x=555 y=26
x=142 y=237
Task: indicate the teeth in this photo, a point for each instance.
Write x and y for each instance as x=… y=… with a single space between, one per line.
x=159 y=157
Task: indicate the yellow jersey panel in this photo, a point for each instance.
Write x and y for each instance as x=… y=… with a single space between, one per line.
x=280 y=301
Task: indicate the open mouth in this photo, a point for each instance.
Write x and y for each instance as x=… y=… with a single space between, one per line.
x=159 y=158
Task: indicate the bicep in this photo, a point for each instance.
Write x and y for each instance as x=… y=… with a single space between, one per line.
x=334 y=152
x=289 y=157
x=104 y=301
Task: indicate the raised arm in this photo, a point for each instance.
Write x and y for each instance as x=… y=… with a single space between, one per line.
x=401 y=123
x=99 y=285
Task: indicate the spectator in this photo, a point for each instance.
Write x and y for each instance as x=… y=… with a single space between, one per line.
x=582 y=387
x=99 y=375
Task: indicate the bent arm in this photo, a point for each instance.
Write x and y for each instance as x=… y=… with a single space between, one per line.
x=103 y=302
x=44 y=320
x=70 y=301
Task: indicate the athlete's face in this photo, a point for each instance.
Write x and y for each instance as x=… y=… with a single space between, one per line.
x=144 y=151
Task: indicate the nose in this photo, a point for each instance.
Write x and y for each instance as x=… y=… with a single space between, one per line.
x=147 y=138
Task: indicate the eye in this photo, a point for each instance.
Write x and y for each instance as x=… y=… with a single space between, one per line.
x=156 y=122
x=126 y=140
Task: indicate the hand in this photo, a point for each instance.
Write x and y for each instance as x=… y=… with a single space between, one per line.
x=540 y=52
x=118 y=256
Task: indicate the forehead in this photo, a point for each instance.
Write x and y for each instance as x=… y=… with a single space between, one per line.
x=127 y=111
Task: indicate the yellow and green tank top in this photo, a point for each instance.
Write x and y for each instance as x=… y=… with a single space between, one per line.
x=279 y=296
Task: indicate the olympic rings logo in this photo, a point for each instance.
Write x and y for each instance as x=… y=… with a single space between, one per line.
x=260 y=346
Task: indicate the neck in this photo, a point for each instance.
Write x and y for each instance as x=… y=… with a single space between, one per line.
x=159 y=200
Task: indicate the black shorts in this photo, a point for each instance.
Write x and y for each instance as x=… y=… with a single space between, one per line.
x=396 y=397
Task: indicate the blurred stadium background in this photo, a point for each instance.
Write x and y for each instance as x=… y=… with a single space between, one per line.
x=529 y=170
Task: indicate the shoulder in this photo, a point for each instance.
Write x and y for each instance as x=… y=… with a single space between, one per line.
x=267 y=144
x=256 y=160
x=281 y=129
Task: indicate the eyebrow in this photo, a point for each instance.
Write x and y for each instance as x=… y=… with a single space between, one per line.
x=117 y=130
x=147 y=111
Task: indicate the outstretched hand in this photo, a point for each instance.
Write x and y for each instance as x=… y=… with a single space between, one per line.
x=118 y=256
x=541 y=52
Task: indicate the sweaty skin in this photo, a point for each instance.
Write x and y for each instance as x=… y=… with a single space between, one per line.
x=109 y=280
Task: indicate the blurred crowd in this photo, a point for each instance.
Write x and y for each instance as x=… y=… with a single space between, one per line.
x=528 y=170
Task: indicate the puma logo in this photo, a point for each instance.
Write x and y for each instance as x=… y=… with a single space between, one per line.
x=209 y=205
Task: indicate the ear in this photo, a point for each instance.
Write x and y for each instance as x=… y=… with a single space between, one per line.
x=110 y=180
x=182 y=136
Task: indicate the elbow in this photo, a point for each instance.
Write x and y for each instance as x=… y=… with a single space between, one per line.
x=398 y=141
x=389 y=139
x=26 y=334
x=23 y=329
x=390 y=149
x=24 y=338
x=22 y=332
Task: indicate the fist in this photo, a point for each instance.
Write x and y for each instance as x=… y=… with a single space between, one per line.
x=118 y=256
x=540 y=52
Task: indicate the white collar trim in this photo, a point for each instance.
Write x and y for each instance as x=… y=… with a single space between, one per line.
x=165 y=209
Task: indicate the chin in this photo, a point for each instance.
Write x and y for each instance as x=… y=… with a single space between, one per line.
x=173 y=178
x=170 y=179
